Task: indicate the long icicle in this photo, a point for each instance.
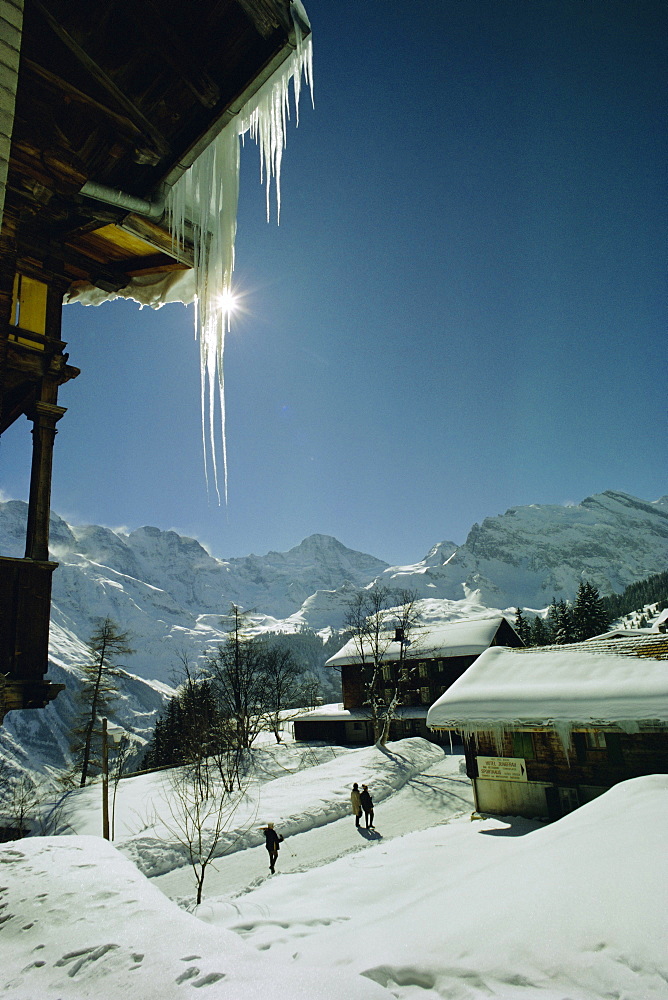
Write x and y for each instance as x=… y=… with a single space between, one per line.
x=202 y=209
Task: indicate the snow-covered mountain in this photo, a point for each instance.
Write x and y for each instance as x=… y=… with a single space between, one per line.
x=170 y=594
x=38 y=740
x=531 y=554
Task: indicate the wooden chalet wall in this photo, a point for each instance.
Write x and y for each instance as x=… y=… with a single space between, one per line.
x=597 y=760
x=429 y=675
x=427 y=681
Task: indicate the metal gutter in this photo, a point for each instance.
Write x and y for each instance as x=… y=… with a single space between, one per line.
x=150 y=208
x=232 y=110
x=153 y=207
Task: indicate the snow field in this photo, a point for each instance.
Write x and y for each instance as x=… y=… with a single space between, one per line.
x=430 y=906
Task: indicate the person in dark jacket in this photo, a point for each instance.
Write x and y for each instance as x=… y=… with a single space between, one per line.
x=272 y=843
x=356 y=804
x=367 y=805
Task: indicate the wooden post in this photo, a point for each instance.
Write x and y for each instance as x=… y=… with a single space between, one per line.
x=44 y=417
x=105 y=781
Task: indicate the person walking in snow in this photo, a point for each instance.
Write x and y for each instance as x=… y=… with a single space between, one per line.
x=272 y=843
x=356 y=804
x=367 y=805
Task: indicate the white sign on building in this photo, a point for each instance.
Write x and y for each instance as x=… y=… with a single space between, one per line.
x=502 y=768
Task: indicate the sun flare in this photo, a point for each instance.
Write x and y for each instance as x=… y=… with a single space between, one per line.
x=227 y=302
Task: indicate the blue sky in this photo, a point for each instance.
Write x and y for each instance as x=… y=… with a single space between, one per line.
x=462 y=310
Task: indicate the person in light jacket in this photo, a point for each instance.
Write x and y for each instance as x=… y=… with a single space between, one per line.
x=356 y=804
x=367 y=805
x=272 y=843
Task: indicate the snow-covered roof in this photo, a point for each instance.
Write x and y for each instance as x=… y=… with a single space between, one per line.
x=621 y=642
x=466 y=637
x=337 y=713
x=561 y=687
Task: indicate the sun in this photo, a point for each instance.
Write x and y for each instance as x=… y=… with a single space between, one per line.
x=227 y=302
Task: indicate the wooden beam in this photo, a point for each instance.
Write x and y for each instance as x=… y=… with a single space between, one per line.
x=159 y=36
x=106 y=82
x=266 y=15
x=155 y=264
x=158 y=237
x=62 y=87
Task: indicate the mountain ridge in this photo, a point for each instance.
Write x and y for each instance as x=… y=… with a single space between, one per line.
x=170 y=593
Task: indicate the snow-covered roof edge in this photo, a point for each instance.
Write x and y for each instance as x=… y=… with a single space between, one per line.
x=336 y=713
x=503 y=690
x=465 y=637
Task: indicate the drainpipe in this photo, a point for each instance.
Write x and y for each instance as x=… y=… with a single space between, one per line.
x=150 y=208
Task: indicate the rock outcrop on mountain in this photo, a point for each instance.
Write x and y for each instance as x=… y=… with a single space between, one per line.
x=531 y=554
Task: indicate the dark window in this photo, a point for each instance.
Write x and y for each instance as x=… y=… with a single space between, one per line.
x=523 y=745
x=613 y=742
x=580 y=744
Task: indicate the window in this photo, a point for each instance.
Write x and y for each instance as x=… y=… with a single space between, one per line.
x=613 y=743
x=425 y=695
x=568 y=800
x=423 y=669
x=387 y=672
x=523 y=745
x=29 y=299
x=357 y=725
x=589 y=746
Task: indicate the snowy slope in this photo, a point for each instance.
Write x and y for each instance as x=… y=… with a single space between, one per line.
x=39 y=740
x=429 y=906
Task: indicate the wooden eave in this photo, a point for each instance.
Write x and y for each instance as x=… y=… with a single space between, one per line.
x=127 y=94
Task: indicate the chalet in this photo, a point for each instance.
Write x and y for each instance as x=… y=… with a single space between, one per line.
x=109 y=120
x=550 y=728
x=435 y=658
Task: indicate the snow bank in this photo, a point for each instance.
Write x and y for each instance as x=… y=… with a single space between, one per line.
x=303 y=797
x=467 y=911
x=460 y=910
x=574 y=910
x=79 y=921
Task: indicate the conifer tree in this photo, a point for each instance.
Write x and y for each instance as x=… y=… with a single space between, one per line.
x=539 y=633
x=590 y=617
x=98 y=689
x=560 y=622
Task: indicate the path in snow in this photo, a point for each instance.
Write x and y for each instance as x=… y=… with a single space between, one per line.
x=434 y=796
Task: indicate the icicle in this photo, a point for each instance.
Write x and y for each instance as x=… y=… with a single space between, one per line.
x=202 y=209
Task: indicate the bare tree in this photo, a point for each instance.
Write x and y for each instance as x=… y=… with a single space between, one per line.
x=377 y=618
x=19 y=803
x=281 y=688
x=407 y=632
x=124 y=751
x=309 y=690
x=200 y=812
x=237 y=673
